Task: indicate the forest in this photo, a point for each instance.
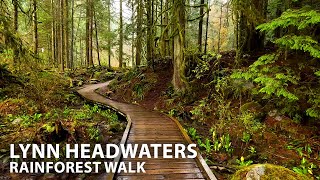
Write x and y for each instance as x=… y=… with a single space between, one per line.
x=241 y=77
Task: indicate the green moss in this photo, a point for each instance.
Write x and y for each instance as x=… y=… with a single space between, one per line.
x=272 y=172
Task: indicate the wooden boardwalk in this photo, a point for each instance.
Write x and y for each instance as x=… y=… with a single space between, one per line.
x=152 y=127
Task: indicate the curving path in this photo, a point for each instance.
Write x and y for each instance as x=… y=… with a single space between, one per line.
x=146 y=126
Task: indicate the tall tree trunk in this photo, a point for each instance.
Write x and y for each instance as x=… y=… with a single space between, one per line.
x=15 y=28
x=72 y=36
x=165 y=41
x=62 y=52
x=109 y=30
x=161 y=42
x=58 y=33
x=121 y=37
x=66 y=33
x=149 y=32
x=220 y=26
x=35 y=29
x=153 y=30
x=133 y=33
x=97 y=39
x=178 y=79
x=200 y=27
x=53 y=34
x=207 y=28
x=139 y=32
x=15 y=15
x=166 y=32
x=250 y=39
x=89 y=32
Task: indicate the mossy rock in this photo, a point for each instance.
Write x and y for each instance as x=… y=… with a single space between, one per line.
x=267 y=172
x=254 y=108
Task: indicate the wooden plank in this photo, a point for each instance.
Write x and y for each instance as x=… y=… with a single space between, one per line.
x=159 y=159
x=150 y=166
x=159 y=133
x=170 y=171
x=150 y=138
x=166 y=176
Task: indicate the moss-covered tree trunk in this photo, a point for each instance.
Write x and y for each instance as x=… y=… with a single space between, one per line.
x=139 y=32
x=178 y=79
x=200 y=29
x=109 y=30
x=15 y=28
x=121 y=37
x=250 y=39
x=35 y=28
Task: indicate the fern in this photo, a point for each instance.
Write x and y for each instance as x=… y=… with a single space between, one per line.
x=301 y=18
x=271 y=80
x=304 y=43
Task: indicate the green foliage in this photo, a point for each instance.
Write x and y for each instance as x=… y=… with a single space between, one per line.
x=314 y=110
x=243 y=163
x=303 y=43
x=271 y=80
x=299 y=18
x=49 y=128
x=94 y=133
x=203 y=64
x=193 y=134
x=200 y=112
x=28 y=120
x=222 y=143
x=251 y=124
x=207 y=145
x=305 y=167
x=246 y=137
x=138 y=91
x=252 y=150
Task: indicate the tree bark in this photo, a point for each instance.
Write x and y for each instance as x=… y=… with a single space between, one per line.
x=66 y=33
x=35 y=29
x=200 y=27
x=139 y=32
x=121 y=37
x=207 y=29
x=72 y=36
x=133 y=34
x=15 y=28
x=53 y=34
x=149 y=32
x=220 y=26
x=89 y=31
x=62 y=52
x=109 y=31
x=178 y=79
x=97 y=39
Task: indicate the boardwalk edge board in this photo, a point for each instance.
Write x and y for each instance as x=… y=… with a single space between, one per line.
x=201 y=162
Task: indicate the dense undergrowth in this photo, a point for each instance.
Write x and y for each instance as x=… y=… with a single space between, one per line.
x=41 y=107
x=238 y=121
x=243 y=109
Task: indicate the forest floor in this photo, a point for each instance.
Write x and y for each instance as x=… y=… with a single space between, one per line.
x=43 y=107
x=227 y=144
